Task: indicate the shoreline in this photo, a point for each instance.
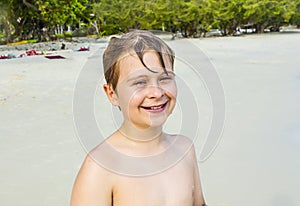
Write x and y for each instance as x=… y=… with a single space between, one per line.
x=76 y=43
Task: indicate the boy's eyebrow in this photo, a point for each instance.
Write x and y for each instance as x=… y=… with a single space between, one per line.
x=136 y=77
x=146 y=76
x=170 y=72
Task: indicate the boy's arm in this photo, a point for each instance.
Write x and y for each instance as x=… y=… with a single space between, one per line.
x=198 y=193
x=92 y=186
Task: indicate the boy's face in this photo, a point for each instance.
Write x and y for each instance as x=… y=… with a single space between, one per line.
x=146 y=98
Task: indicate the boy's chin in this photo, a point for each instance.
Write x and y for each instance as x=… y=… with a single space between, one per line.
x=156 y=124
x=150 y=125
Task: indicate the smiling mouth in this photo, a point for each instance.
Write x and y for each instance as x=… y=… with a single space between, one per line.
x=156 y=108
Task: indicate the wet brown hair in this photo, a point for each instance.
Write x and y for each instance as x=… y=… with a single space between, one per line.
x=136 y=42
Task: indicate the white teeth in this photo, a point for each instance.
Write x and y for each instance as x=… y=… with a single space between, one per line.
x=156 y=108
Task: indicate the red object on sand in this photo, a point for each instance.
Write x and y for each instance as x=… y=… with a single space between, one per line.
x=3 y=57
x=31 y=53
x=84 y=49
x=22 y=55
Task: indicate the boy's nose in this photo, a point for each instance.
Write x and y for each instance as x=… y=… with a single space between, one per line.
x=155 y=91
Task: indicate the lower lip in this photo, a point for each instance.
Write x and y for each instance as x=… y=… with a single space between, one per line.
x=157 y=110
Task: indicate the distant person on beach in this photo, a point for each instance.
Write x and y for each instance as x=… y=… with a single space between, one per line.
x=63 y=46
x=140 y=80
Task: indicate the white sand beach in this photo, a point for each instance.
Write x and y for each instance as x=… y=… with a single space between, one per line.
x=254 y=163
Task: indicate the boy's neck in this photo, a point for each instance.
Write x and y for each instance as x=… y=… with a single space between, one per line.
x=139 y=142
x=138 y=135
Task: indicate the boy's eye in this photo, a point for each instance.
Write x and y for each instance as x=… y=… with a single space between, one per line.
x=166 y=78
x=140 y=83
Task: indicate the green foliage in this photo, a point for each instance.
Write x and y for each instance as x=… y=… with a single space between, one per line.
x=60 y=36
x=42 y=19
x=115 y=16
x=268 y=12
x=295 y=16
x=68 y=34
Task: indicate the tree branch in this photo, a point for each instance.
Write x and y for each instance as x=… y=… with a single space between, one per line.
x=29 y=5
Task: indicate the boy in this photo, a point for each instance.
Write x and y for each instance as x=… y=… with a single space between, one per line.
x=138 y=69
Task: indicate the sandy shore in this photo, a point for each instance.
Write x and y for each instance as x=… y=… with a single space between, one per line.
x=255 y=163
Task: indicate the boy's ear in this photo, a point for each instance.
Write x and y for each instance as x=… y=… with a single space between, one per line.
x=111 y=94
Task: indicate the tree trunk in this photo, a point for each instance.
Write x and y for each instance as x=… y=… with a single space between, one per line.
x=7 y=30
x=258 y=28
x=223 y=29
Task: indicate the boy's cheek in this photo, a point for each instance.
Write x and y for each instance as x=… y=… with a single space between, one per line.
x=131 y=99
x=171 y=90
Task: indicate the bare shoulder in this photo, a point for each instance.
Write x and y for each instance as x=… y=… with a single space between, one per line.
x=178 y=138
x=181 y=141
x=91 y=167
x=92 y=186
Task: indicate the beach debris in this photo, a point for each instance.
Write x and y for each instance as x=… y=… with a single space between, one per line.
x=32 y=52
x=28 y=53
x=48 y=53
x=7 y=56
x=84 y=48
x=55 y=57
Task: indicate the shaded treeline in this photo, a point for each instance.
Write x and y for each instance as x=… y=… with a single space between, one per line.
x=50 y=19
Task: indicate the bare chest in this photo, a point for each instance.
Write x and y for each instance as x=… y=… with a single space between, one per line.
x=172 y=187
